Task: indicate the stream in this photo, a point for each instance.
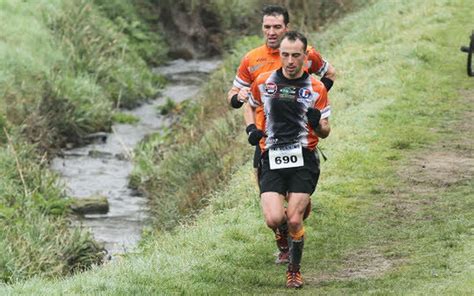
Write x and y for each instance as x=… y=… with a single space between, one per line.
x=100 y=168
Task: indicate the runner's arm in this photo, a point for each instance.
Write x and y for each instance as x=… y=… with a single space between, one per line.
x=252 y=104
x=322 y=68
x=249 y=114
x=323 y=129
x=242 y=95
x=331 y=73
x=238 y=94
x=322 y=104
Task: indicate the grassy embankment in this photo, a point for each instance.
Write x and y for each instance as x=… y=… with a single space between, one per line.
x=64 y=69
x=374 y=227
x=179 y=166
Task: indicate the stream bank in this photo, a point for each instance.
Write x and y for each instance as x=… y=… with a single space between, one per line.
x=103 y=167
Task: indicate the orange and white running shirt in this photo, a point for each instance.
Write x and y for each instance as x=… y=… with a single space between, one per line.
x=285 y=103
x=263 y=59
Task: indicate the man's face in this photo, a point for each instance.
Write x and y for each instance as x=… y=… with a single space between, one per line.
x=292 y=57
x=273 y=28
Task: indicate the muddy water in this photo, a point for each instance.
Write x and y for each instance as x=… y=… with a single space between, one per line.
x=103 y=168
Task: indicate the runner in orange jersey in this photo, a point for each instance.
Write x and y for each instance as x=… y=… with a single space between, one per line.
x=275 y=21
x=295 y=115
x=266 y=57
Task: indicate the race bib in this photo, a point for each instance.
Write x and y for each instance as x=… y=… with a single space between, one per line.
x=289 y=156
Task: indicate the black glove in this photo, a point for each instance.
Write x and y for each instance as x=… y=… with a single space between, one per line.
x=254 y=134
x=314 y=115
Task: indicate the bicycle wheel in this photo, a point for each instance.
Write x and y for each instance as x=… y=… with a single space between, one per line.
x=469 y=56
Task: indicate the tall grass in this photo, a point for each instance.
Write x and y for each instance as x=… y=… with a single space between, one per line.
x=135 y=20
x=100 y=49
x=64 y=68
x=68 y=52
x=35 y=237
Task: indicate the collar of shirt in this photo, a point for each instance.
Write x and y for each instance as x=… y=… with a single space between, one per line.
x=303 y=77
x=272 y=51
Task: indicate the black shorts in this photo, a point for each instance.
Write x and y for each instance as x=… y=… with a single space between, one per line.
x=299 y=180
x=256 y=157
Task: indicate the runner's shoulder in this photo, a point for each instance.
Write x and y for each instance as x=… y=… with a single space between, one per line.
x=312 y=52
x=262 y=77
x=257 y=52
x=317 y=84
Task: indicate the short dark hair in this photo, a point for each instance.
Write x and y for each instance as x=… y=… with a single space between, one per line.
x=295 y=35
x=276 y=10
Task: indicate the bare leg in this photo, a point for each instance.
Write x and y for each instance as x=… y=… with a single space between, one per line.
x=297 y=203
x=273 y=209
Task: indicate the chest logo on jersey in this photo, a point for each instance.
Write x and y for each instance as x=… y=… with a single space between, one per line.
x=287 y=90
x=304 y=93
x=271 y=88
x=287 y=93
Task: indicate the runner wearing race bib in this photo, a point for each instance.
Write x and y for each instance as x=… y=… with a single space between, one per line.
x=275 y=23
x=295 y=115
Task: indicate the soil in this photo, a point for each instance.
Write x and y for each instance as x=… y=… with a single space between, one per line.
x=191 y=32
x=451 y=161
x=360 y=264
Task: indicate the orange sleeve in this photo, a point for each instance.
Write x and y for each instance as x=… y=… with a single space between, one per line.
x=322 y=103
x=316 y=62
x=242 y=77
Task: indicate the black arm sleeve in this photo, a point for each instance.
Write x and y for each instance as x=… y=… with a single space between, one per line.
x=235 y=103
x=327 y=82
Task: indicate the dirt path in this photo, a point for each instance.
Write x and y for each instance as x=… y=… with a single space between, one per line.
x=450 y=161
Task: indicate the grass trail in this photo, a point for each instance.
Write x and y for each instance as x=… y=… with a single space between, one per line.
x=393 y=214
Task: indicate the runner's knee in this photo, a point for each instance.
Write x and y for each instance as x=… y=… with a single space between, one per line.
x=274 y=220
x=294 y=224
x=295 y=221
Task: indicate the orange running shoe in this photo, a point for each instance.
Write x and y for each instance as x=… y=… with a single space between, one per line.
x=294 y=278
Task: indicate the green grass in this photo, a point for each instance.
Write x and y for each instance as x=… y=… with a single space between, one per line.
x=372 y=230
x=121 y=117
x=35 y=236
x=64 y=67
x=127 y=16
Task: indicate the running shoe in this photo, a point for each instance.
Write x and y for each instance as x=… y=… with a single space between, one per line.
x=294 y=278
x=283 y=255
